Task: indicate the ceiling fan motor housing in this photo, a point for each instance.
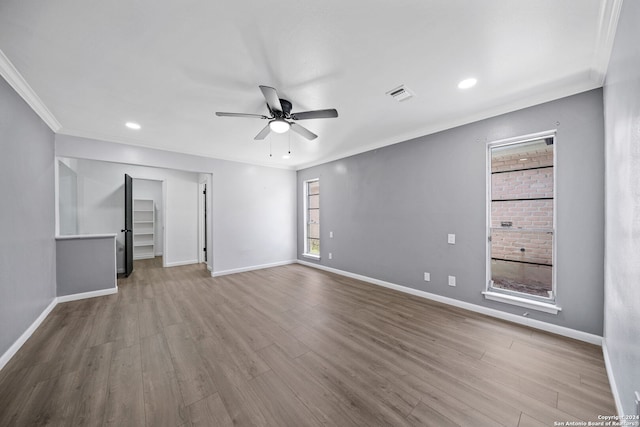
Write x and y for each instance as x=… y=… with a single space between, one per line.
x=286 y=108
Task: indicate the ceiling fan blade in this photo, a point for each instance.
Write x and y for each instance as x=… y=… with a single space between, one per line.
x=263 y=133
x=271 y=96
x=317 y=114
x=303 y=131
x=248 y=116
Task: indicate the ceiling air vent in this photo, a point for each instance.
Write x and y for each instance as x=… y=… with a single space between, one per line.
x=401 y=93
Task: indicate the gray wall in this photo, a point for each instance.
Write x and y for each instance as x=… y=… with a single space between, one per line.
x=27 y=227
x=622 y=248
x=85 y=264
x=391 y=209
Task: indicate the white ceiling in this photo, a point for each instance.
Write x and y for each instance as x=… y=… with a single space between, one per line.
x=168 y=65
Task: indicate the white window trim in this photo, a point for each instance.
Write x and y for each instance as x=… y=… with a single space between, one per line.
x=306 y=253
x=506 y=297
x=522 y=302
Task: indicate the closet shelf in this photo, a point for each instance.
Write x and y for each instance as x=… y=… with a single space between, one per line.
x=143 y=228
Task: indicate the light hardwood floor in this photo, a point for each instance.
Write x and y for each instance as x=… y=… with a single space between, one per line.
x=291 y=346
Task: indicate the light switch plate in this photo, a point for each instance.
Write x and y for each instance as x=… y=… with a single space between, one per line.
x=427 y=277
x=331 y=234
x=451 y=239
x=330 y=255
x=452 y=280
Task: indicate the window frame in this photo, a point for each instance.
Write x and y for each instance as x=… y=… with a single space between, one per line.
x=534 y=302
x=306 y=252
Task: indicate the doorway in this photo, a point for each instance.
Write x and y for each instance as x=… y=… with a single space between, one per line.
x=148 y=221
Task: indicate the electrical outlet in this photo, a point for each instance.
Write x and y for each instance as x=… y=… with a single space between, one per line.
x=427 y=277
x=452 y=280
x=331 y=234
x=451 y=239
x=330 y=255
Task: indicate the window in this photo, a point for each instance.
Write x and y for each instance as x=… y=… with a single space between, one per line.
x=312 y=218
x=521 y=225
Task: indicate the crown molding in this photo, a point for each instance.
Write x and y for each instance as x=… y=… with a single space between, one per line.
x=20 y=85
x=607 y=25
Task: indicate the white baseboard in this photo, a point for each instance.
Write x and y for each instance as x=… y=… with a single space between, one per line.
x=537 y=324
x=251 y=268
x=179 y=263
x=26 y=334
x=209 y=267
x=612 y=378
x=4 y=359
x=85 y=295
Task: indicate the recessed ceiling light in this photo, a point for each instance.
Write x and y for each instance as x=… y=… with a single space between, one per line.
x=467 y=83
x=286 y=156
x=132 y=125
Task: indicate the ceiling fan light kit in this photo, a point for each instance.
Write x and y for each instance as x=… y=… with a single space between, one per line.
x=279 y=125
x=281 y=118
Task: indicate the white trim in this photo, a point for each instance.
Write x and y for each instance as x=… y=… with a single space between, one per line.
x=522 y=302
x=536 y=324
x=85 y=295
x=165 y=238
x=551 y=133
x=612 y=379
x=56 y=196
x=251 y=268
x=179 y=263
x=85 y=236
x=607 y=25
x=20 y=85
x=575 y=85
x=4 y=359
x=305 y=215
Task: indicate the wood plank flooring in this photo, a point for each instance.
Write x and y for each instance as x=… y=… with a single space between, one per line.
x=291 y=346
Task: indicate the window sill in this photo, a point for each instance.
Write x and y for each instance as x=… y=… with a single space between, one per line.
x=522 y=302
x=312 y=256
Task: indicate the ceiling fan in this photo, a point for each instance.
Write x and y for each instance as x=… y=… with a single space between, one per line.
x=281 y=118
